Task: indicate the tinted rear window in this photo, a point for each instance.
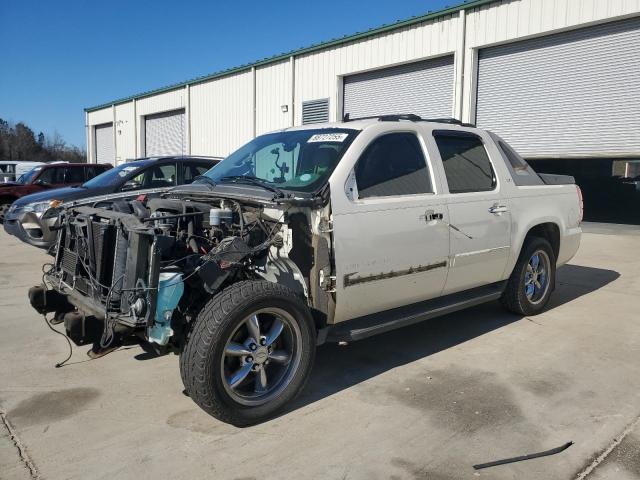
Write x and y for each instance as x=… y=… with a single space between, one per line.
x=466 y=163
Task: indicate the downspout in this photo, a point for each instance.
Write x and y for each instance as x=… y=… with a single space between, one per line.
x=87 y=130
x=292 y=100
x=187 y=119
x=136 y=149
x=460 y=62
x=253 y=102
x=115 y=141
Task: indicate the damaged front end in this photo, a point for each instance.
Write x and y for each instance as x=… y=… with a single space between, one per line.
x=147 y=267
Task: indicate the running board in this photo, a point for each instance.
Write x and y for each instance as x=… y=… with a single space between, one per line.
x=373 y=324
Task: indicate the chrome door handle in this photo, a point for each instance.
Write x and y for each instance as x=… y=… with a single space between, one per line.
x=430 y=216
x=497 y=209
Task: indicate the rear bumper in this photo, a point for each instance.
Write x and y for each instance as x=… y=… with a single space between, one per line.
x=569 y=244
x=32 y=229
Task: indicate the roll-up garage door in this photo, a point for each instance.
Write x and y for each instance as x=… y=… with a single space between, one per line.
x=572 y=94
x=165 y=134
x=424 y=88
x=104 y=143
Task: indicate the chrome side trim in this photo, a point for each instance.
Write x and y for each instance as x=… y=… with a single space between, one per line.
x=349 y=280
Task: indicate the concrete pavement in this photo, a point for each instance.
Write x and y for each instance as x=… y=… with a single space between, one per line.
x=427 y=401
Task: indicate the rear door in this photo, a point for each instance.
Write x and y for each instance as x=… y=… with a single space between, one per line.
x=479 y=214
x=161 y=176
x=191 y=170
x=390 y=248
x=74 y=175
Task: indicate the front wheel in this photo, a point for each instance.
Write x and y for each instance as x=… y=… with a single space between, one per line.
x=249 y=353
x=532 y=280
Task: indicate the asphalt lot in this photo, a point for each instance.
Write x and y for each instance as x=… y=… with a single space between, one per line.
x=428 y=401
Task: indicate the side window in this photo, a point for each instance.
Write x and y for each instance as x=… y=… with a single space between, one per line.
x=161 y=176
x=520 y=170
x=466 y=163
x=74 y=175
x=392 y=165
x=52 y=175
x=191 y=171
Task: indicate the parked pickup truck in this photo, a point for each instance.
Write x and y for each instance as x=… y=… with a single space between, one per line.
x=322 y=233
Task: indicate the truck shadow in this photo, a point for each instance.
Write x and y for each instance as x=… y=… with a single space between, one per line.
x=338 y=367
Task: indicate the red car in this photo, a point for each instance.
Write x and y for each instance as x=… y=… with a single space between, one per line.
x=45 y=177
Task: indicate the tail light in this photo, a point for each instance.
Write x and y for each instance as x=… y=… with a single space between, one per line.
x=581 y=203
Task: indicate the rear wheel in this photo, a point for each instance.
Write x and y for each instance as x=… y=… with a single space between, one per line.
x=4 y=208
x=532 y=280
x=250 y=352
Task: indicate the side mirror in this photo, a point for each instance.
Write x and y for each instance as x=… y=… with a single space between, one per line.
x=42 y=183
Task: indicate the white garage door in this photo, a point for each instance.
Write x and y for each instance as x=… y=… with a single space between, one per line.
x=423 y=88
x=104 y=143
x=570 y=94
x=164 y=134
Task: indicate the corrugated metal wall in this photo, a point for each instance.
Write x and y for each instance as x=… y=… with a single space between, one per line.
x=505 y=21
x=220 y=112
x=125 y=132
x=318 y=74
x=165 y=134
x=273 y=90
x=574 y=93
x=422 y=88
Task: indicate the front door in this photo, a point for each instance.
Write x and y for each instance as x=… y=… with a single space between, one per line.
x=479 y=215
x=391 y=248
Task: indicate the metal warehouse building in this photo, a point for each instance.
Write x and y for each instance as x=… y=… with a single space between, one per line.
x=559 y=79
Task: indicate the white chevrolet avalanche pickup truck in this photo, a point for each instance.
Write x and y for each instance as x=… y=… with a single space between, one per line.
x=322 y=233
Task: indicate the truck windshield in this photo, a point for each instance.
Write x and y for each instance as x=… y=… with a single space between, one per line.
x=298 y=160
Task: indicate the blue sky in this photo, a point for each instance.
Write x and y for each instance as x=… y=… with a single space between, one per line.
x=60 y=56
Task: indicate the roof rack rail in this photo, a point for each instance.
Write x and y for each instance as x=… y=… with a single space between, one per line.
x=409 y=117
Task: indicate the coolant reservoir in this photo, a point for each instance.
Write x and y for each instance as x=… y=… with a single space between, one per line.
x=170 y=290
x=218 y=216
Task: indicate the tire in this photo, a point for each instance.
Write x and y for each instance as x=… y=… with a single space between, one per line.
x=223 y=345
x=522 y=295
x=4 y=208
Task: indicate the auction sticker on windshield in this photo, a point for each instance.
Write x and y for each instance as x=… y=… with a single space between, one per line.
x=328 y=137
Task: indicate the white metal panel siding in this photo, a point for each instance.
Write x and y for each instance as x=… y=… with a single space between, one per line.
x=221 y=114
x=103 y=135
x=317 y=73
x=100 y=116
x=575 y=93
x=125 y=132
x=424 y=88
x=508 y=20
x=273 y=90
x=165 y=134
x=162 y=102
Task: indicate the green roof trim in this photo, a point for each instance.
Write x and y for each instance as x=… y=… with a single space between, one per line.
x=311 y=48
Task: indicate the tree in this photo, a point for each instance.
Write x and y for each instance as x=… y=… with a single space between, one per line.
x=18 y=142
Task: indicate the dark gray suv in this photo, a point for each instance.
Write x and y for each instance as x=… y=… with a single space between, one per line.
x=29 y=218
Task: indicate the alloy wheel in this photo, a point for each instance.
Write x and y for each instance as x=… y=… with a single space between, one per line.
x=536 y=277
x=261 y=356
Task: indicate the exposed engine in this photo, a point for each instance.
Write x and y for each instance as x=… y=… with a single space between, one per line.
x=148 y=266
